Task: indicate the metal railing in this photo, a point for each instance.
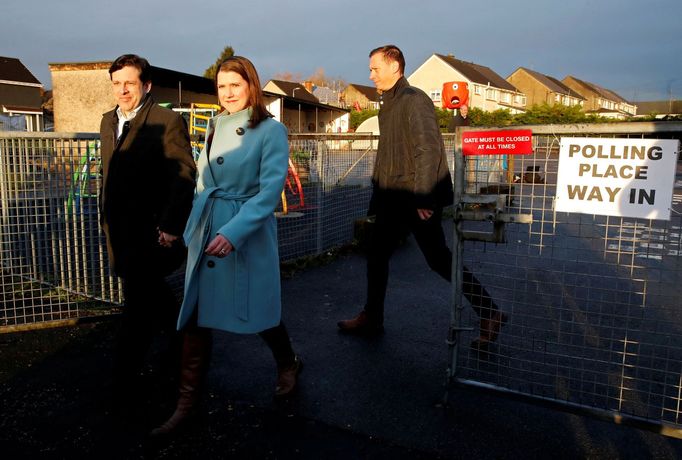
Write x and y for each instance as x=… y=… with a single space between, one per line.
x=53 y=256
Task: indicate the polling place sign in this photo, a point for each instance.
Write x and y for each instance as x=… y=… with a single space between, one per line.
x=506 y=142
x=616 y=177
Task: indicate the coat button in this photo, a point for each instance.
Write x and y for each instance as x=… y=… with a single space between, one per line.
x=220 y=160
x=240 y=131
x=210 y=264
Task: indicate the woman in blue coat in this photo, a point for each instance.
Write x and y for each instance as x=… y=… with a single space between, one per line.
x=232 y=280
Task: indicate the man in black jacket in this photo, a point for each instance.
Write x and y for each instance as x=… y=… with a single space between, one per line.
x=146 y=196
x=411 y=185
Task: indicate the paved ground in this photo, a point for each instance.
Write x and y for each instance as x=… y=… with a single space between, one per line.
x=359 y=398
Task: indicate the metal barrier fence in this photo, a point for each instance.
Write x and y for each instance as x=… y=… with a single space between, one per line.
x=593 y=301
x=52 y=252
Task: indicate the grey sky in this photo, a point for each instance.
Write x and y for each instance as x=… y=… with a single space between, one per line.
x=633 y=47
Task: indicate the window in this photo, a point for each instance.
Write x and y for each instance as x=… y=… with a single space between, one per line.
x=490 y=94
x=557 y=97
x=506 y=97
x=435 y=95
x=477 y=89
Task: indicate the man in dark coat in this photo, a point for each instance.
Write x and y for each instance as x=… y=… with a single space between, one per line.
x=460 y=119
x=146 y=196
x=411 y=185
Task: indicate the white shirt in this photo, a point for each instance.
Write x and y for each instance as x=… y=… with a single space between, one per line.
x=123 y=118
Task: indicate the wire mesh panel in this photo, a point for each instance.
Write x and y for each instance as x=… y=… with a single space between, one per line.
x=592 y=301
x=51 y=249
x=334 y=172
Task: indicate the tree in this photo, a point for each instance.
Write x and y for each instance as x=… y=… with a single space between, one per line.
x=319 y=78
x=211 y=71
x=287 y=76
x=358 y=117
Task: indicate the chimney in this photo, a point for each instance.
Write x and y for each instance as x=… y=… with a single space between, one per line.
x=309 y=86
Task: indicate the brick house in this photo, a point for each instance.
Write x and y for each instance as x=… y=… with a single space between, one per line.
x=543 y=89
x=601 y=101
x=364 y=97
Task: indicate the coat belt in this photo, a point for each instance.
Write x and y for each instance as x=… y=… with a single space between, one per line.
x=203 y=203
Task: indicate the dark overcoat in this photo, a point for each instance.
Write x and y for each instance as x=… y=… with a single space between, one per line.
x=411 y=168
x=148 y=177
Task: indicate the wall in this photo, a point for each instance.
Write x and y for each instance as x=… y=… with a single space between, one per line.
x=80 y=95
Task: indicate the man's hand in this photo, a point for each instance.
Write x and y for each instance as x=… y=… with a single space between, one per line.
x=425 y=214
x=166 y=239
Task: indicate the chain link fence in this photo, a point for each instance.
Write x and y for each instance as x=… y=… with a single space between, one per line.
x=592 y=301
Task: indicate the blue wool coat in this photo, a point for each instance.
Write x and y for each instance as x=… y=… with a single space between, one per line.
x=240 y=183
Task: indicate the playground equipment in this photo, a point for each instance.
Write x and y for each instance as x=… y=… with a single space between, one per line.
x=200 y=114
x=84 y=178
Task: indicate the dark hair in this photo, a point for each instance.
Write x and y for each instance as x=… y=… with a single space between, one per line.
x=391 y=53
x=245 y=68
x=133 y=60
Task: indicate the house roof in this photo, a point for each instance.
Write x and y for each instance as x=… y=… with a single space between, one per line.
x=603 y=92
x=20 y=109
x=168 y=78
x=369 y=92
x=310 y=103
x=325 y=94
x=162 y=78
x=477 y=73
x=13 y=71
x=288 y=88
x=552 y=83
x=20 y=96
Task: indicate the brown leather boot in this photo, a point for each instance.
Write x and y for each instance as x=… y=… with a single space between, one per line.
x=361 y=325
x=196 y=351
x=490 y=329
x=287 y=379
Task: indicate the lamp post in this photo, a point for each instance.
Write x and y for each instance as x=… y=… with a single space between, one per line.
x=299 y=108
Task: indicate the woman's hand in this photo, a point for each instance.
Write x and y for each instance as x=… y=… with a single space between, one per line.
x=219 y=247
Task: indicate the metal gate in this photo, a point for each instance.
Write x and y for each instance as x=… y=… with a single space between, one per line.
x=593 y=301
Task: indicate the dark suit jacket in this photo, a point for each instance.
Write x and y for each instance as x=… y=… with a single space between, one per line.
x=147 y=186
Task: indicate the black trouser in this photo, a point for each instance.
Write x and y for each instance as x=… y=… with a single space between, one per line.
x=395 y=219
x=150 y=308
